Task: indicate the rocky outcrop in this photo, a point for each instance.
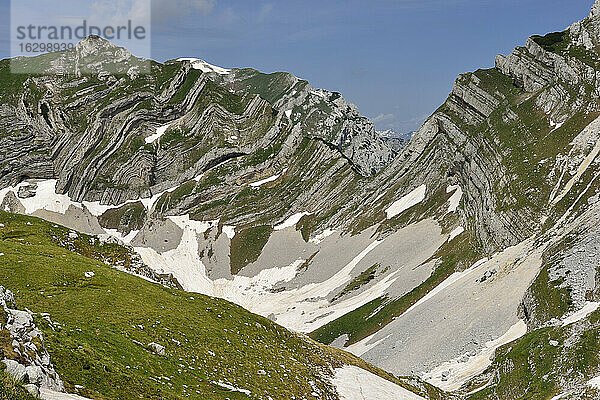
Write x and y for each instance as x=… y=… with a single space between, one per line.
x=471 y=101
x=320 y=114
x=528 y=71
x=22 y=348
x=586 y=33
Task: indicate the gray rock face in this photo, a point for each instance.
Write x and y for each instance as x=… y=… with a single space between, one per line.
x=322 y=115
x=527 y=70
x=27 y=191
x=30 y=361
x=89 y=128
x=586 y=33
x=469 y=97
x=94 y=55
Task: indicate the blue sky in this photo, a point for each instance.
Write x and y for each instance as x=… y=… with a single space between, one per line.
x=395 y=59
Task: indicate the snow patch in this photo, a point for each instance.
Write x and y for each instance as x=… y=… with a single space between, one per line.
x=460 y=372
x=183 y=262
x=321 y=236
x=291 y=221
x=160 y=131
x=47 y=394
x=229 y=230
x=118 y=235
x=354 y=383
x=267 y=180
x=205 y=67
x=406 y=202
x=555 y=125
x=594 y=383
x=455 y=198
x=455 y=233
x=199 y=227
x=558 y=396
x=233 y=388
x=45 y=198
x=587 y=309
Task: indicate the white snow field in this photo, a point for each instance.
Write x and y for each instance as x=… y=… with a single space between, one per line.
x=229 y=230
x=291 y=221
x=594 y=383
x=355 y=383
x=269 y=179
x=455 y=233
x=455 y=198
x=160 y=131
x=406 y=202
x=204 y=66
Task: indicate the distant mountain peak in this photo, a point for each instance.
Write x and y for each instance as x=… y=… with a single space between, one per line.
x=397 y=141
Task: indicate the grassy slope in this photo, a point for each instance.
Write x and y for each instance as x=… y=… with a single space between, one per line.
x=102 y=326
x=247 y=245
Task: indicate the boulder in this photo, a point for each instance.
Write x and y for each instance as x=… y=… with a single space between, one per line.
x=157 y=348
x=14 y=369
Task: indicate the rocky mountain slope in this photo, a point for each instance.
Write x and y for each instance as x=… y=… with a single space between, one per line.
x=477 y=238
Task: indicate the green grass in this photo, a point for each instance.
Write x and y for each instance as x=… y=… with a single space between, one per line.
x=190 y=80
x=270 y=87
x=551 y=300
x=171 y=199
x=102 y=326
x=127 y=218
x=553 y=42
x=247 y=245
x=364 y=278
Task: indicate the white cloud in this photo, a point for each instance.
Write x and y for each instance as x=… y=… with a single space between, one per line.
x=382 y=118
